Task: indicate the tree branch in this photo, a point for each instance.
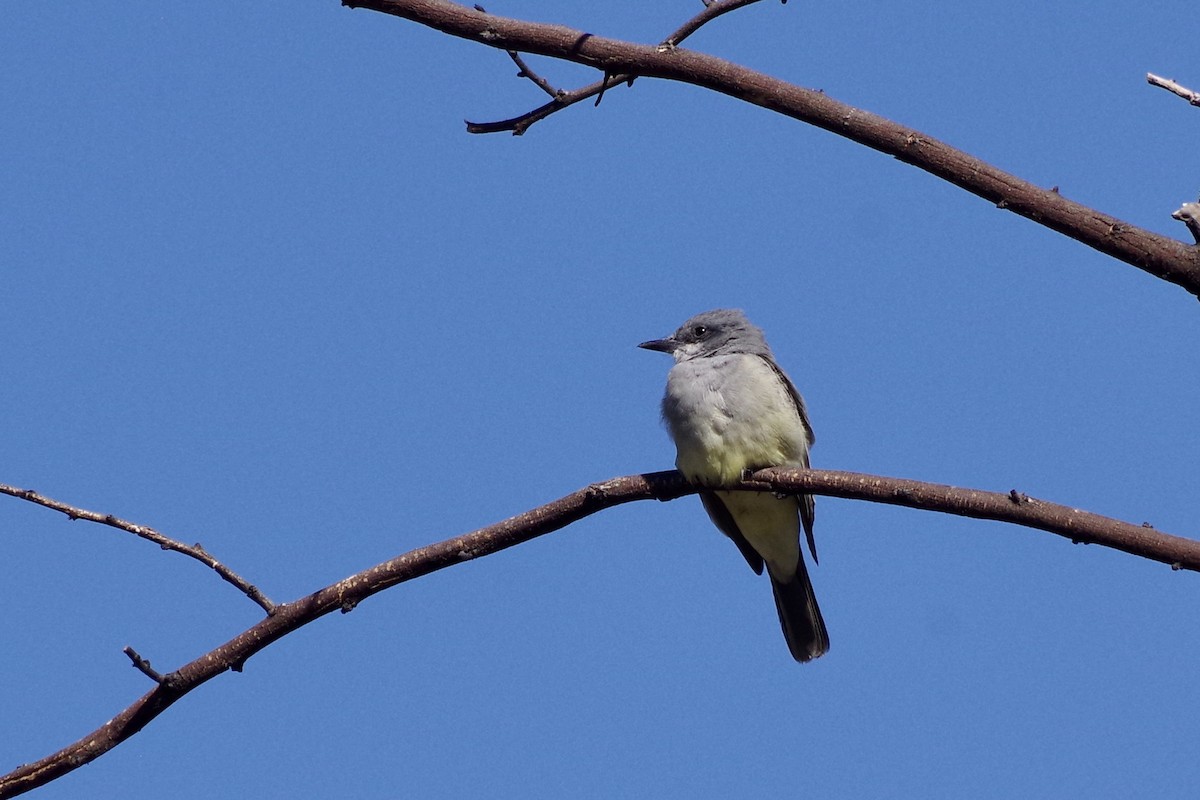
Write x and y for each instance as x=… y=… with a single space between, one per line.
x=195 y=551
x=1173 y=87
x=1161 y=256
x=712 y=10
x=523 y=71
x=564 y=99
x=1079 y=526
x=143 y=666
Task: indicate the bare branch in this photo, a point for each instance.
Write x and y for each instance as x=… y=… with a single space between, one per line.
x=1173 y=87
x=711 y=11
x=1161 y=256
x=143 y=666
x=1079 y=526
x=192 y=551
x=526 y=72
x=563 y=99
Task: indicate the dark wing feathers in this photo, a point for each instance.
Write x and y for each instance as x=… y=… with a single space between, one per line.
x=721 y=517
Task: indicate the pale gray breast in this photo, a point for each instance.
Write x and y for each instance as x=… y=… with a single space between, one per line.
x=730 y=412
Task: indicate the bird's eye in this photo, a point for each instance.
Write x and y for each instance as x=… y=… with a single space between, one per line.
x=699 y=330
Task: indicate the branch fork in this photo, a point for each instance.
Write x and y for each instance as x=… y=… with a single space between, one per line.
x=562 y=98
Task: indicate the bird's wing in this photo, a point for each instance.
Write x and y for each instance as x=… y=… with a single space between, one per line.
x=807 y=509
x=721 y=517
x=807 y=512
x=801 y=409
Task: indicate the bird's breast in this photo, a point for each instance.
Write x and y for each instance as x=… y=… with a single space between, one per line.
x=728 y=414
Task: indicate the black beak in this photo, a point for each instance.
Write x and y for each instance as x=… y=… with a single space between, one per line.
x=661 y=345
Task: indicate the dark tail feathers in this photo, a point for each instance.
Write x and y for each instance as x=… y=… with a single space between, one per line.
x=800 y=616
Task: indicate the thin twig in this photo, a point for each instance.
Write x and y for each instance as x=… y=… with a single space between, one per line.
x=195 y=551
x=526 y=72
x=564 y=98
x=518 y=125
x=1174 y=88
x=143 y=665
x=1017 y=508
x=710 y=12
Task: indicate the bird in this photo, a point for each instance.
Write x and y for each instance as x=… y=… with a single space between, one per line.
x=731 y=410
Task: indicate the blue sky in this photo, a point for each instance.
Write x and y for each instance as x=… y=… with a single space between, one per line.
x=263 y=292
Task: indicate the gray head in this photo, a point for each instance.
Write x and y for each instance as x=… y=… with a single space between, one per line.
x=722 y=331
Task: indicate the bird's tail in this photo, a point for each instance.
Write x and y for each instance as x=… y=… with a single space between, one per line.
x=800 y=616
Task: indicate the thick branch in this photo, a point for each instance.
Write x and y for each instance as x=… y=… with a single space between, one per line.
x=1160 y=256
x=1079 y=526
x=149 y=534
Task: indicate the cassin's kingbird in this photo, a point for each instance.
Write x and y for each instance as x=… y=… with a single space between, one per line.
x=731 y=409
